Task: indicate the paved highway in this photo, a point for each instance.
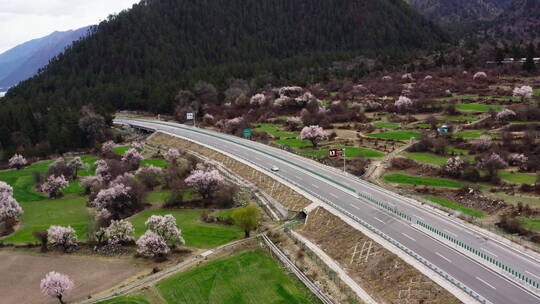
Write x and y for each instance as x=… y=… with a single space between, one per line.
x=487 y=283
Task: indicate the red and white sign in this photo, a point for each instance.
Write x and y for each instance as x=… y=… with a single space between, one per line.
x=334 y=153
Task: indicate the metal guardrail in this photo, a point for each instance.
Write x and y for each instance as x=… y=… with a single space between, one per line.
x=299 y=274
x=515 y=275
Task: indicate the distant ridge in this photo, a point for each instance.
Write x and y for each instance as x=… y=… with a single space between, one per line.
x=24 y=60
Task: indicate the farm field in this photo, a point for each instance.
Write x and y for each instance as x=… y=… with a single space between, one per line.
x=455 y=206
x=387 y=125
x=532 y=224
x=294 y=143
x=427 y=158
x=350 y=152
x=476 y=107
x=400 y=178
x=519 y=178
x=39 y=215
x=195 y=232
x=26 y=270
x=397 y=135
x=274 y=130
x=251 y=278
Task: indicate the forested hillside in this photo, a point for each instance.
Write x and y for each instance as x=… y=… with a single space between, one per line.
x=520 y=22
x=140 y=58
x=460 y=11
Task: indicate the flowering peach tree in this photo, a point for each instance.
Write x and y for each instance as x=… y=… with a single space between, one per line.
x=56 y=285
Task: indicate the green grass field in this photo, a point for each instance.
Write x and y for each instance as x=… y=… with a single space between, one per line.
x=518 y=178
x=470 y=134
x=400 y=178
x=524 y=122
x=196 y=233
x=398 y=135
x=39 y=215
x=129 y=299
x=531 y=224
x=536 y=92
x=476 y=107
x=158 y=162
x=459 y=118
x=121 y=149
x=387 y=125
x=350 y=152
x=423 y=126
x=455 y=206
x=476 y=96
x=462 y=97
x=428 y=158
x=457 y=151
x=247 y=278
x=294 y=143
x=274 y=130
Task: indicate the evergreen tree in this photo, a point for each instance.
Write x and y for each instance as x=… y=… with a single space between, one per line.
x=529 y=64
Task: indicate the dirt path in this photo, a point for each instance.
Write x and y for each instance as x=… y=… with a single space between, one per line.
x=377 y=168
x=22 y=273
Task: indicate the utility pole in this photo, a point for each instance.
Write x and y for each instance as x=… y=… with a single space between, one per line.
x=344 y=161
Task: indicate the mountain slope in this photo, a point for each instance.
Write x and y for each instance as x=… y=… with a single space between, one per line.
x=142 y=57
x=459 y=11
x=24 y=60
x=521 y=21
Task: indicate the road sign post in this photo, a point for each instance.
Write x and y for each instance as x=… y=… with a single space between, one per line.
x=191 y=116
x=335 y=153
x=247 y=133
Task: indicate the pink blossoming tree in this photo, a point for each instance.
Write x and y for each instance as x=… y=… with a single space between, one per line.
x=56 y=285
x=165 y=226
x=107 y=147
x=133 y=158
x=523 y=92
x=205 y=181
x=150 y=244
x=53 y=185
x=454 y=166
x=257 y=100
x=120 y=232
x=10 y=209
x=403 y=103
x=114 y=199
x=315 y=134
x=138 y=145
x=479 y=76
x=171 y=156
x=17 y=161
x=505 y=115
x=492 y=163
x=64 y=237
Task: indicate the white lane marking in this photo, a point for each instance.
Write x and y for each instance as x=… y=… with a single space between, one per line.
x=332 y=194
x=442 y=256
x=355 y=207
x=258 y=158
x=451 y=233
x=532 y=274
x=299 y=177
x=419 y=217
x=493 y=254
x=485 y=283
x=379 y=220
x=406 y=235
x=317 y=187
